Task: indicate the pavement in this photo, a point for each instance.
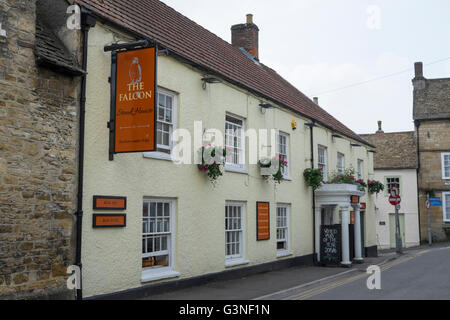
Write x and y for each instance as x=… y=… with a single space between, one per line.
x=295 y=283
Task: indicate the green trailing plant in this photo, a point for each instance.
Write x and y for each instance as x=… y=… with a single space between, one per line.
x=431 y=193
x=375 y=186
x=212 y=166
x=268 y=163
x=361 y=185
x=313 y=178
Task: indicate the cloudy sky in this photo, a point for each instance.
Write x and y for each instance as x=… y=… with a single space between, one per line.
x=357 y=56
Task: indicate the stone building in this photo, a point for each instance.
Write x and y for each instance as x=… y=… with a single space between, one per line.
x=395 y=165
x=39 y=103
x=432 y=125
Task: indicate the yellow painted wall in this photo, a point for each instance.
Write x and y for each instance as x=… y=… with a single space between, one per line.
x=112 y=257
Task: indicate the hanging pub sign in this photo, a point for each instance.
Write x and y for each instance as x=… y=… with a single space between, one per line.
x=133 y=101
x=263 y=221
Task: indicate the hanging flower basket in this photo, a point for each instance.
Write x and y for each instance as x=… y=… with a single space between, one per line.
x=213 y=159
x=375 y=186
x=267 y=164
x=313 y=178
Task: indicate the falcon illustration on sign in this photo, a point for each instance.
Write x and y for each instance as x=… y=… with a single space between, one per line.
x=135 y=72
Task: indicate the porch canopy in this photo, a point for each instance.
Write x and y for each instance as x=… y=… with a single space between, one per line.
x=328 y=198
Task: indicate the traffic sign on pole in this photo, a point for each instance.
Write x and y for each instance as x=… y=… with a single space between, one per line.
x=395 y=200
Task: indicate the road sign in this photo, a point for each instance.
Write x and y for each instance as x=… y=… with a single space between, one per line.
x=395 y=200
x=435 y=202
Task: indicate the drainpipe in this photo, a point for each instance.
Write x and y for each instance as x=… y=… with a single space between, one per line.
x=87 y=23
x=311 y=134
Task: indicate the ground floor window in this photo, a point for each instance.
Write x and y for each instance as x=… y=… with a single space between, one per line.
x=282 y=227
x=234 y=231
x=446 y=206
x=157 y=233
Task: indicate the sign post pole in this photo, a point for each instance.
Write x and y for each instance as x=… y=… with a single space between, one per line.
x=430 y=240
x=395 y=201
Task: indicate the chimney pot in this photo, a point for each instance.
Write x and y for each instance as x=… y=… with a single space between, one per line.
x=380 y=127
x=249 y=18
x=316 y=100
x=245 y=36
x=418 y=68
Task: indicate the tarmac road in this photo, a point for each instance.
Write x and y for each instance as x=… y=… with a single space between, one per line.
x=417 y=275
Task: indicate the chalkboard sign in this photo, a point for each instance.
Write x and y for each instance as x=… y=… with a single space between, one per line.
x=330 y=245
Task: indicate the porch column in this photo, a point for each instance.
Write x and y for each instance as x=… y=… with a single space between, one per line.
x=318 y=219
x=345 y=236
x=358 y=249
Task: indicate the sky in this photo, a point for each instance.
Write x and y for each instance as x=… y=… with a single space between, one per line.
x=356 y=56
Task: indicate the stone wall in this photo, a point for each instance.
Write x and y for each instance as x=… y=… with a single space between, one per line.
x=38 y=164
x=434 y=138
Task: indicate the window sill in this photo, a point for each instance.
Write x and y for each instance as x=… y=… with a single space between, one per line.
x=236 y=262
x=235 y=169
x=287 y=178
x=159 y=274
x=284 y=253
x=158 y=156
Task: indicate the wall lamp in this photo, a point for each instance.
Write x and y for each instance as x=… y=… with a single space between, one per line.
x=265 y=106
x=210 y=80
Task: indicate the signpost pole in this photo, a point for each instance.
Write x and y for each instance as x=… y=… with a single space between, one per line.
x=398 y=236
x=430 y=240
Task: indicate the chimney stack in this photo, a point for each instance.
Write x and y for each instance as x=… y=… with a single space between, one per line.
x=246 y=36
x=380 y=129
x=418 y=68
x=316 y=100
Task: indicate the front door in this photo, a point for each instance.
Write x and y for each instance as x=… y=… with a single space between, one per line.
x=392 y=229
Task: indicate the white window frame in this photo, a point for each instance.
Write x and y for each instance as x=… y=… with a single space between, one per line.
x=239 y=167
x=235 y=260
x=154 y=274
x=162 y=155
x=387 y=191
x=340 y=169
x=360 y=166
x=284 y=252
x=286 y=170
x=324 y=164
x=445 y=204
x=444 y=154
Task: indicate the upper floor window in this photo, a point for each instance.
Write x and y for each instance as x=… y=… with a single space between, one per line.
x=340 y=163
x=235 y=142
x=283 y=151
x=446 y=165
x=166 y=124
x=322 y=162
x=393 y=182
x=360 y=169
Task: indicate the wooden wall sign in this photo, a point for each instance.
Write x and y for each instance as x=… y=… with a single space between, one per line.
x=263 y=221
x=133 y=101
x=110 y=203
x=109 y=221
x=330 y=245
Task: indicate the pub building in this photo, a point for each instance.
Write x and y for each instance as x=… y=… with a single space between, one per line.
x=150 y=223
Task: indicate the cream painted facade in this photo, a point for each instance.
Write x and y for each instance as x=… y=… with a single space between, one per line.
x=409 y=208
x=112 y=258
